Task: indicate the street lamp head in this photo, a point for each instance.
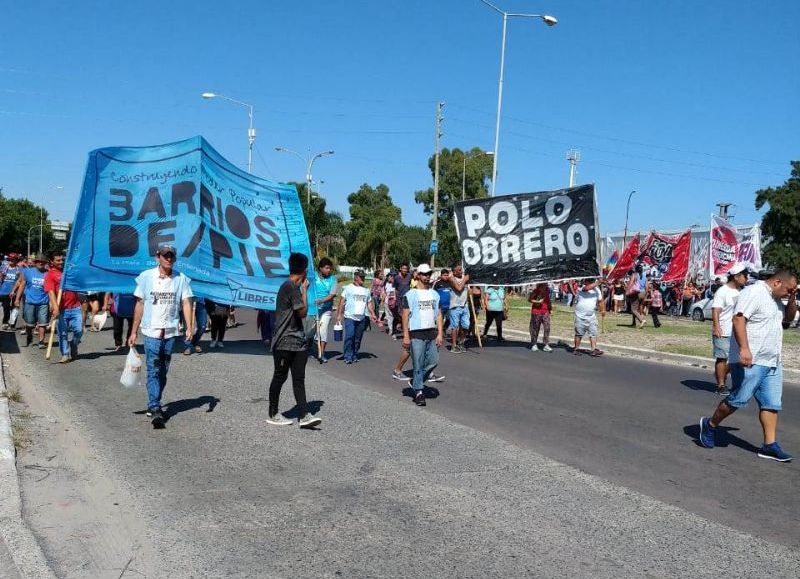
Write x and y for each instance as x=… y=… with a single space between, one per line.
x=550 y=20
x=329 y=153
x=208 y=95
x=279 y=149
x=490 y=153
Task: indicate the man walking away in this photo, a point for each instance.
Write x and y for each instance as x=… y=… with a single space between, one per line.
x=422 y=330
x=353 y=308
x=459 y=310
x=162 y=293
x=722 y=322
x=541 y=309
x=289 y=347
x=759 y=318
x=68 y=313
x=36 y=310
x=123 y=306
x=8 y=279
x=325 y=285
x=587 y=300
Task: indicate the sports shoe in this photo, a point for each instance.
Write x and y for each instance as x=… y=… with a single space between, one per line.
x=435 y=378
x=547 y=348
x=220 y=344
x=41 y=345
x=65 y=360
x=198 y=350
x=708 y=433
x=309 y=421
x=158 y=420
x=279 y=420
x=213 y=344
x=419 y=398
x=398 y=375
x=774 y=452
x=323 y=359
x=534 y=348
x=187 y=351
x=722 y=390
x=595 y=353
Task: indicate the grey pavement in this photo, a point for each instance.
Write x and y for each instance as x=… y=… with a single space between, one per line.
x=467 y=487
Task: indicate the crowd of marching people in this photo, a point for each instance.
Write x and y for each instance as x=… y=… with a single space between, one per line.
x=423 y=309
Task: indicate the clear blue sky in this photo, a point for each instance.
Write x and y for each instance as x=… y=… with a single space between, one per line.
x=687 y=102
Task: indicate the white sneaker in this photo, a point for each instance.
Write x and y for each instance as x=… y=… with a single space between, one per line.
x=220 y=345
x=213 y=344
x=279 y=420
x=547 y=348
x=434 y=378
x=308 y=421
x=534 y=348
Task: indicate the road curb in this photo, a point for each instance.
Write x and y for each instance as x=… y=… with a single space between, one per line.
x=23 y=548
x=651 y=355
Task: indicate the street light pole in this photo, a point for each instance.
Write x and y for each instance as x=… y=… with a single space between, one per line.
x=627 y=210
x=251 y=132
x=309 y=166
x=547 y=19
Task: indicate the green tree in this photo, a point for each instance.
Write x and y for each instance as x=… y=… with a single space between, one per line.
x=331 y=238
x=374 y=225
x=18 y=218
x=411 y=245
x=780 y=225
x=455 y=183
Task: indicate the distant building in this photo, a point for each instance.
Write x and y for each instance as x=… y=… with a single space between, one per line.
x=60 y=229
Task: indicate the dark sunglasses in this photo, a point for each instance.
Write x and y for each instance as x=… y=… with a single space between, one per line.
x=168 y=255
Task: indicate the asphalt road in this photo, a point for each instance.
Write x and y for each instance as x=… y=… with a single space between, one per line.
x=523 y=465
x=631 y=422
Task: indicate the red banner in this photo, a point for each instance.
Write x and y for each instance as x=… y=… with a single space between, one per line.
x=626 y=261
x=724 y=247
x=669 y=254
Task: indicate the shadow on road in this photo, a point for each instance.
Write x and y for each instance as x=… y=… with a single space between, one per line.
x=704 y=385
x=313 y=406
x=724 y=437
x=428 y=391
x=178 y=406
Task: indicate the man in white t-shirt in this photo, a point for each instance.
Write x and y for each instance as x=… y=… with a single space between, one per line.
x=722 y=320
x=354 y=304
x=588 y=300
x=161 y=293
x=759 y=318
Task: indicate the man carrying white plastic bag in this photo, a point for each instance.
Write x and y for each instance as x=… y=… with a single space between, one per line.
x=132 y=373
x=161 y=293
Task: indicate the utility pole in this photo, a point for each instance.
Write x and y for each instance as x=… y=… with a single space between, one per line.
x=573 y=157
x=439 y=108
x=723 y=209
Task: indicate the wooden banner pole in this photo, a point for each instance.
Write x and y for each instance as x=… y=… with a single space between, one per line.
x=53 y=326
x=474 y=316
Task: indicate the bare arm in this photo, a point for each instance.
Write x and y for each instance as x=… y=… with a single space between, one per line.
x=406 y=334
x=715 y=312
x=304 y=293
x=439 y=328
x=186 y=306
x=20 y=289
x=791 y=309
x=340 y=310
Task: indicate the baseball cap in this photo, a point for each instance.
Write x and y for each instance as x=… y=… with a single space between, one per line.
x=166 y=248
x=40 y=257
x=359 y=273
x=423 y=268
x=737 y=269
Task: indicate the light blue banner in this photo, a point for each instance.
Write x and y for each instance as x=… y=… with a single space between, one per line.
x=233 y=232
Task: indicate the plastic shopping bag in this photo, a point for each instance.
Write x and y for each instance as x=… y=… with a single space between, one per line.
x=12 y=319
x=132 y=373
x=98 y=321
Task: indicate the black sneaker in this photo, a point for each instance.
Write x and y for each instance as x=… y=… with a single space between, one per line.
x=150 y=411
x=28 y=340
x=419 y=399
x=41 y=345
x=158 y=421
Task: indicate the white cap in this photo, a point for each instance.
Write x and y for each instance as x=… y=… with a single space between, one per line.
x=737 y=268
x=423 y=268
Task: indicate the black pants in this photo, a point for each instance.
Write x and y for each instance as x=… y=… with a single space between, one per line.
x=5 y=302
x=218 y=326
x=286 y=360
x=654 y=313
x=497 y=318
x=118 y=323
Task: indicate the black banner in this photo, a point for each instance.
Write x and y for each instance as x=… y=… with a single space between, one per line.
x=529 y=237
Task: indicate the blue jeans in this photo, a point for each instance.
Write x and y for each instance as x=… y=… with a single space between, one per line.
x=158 y=355
x=70 y=320
x=762 y=382
x=201 y=319
x=424 y=357
x=353 y=332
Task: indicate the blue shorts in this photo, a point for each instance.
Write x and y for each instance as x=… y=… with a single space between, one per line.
x=765 y=383
x=722 y=346
x=459 y=317
x=36 y=314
